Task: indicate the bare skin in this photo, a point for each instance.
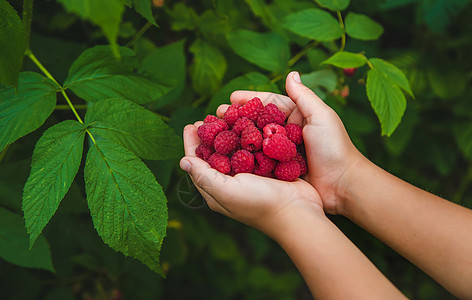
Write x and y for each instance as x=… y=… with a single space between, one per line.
x=431 y=232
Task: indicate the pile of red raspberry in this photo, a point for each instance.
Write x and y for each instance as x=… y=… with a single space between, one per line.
x=253 y=138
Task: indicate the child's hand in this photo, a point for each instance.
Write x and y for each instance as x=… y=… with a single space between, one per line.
x=331 y=156
x=270 y=205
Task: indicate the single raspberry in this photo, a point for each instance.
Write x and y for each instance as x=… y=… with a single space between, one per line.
x=242 y=161
x=270 y=114
x=251 y=109
x=264 y=164
x=204 y=152
x=288 y=171
x=301 y=161
x=208 y=131
x=241 y=124
x=231 y=115
x=279 y=147
x=226 y=142
x=273 y=128
x=294 y=133
x=349 y=72
x=220 y=162
x=251 y=139
x=210 y=119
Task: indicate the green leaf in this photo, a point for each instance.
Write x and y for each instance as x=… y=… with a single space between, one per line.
x=261 y=10
x=346 y=60
x=315 y=24
x=12 y=43
x=104 y=13
x=167 y=65
x=134 y=127
x=14 y=244
x=322 y=78
x=253 y=81
x=96 y=75
x=393 y=74
x=208 y=67
x=56 y=160
x=183 y=17
x=269 y=51
x=387 y=100
x=144 y=8
x=26 y=111
x=127 y=205
x=362 y=27
x=334 y=5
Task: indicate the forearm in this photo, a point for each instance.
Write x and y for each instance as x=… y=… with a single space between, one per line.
x=431 y=232
x=331 y=265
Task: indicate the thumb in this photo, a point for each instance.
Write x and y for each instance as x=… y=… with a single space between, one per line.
x=308 y=103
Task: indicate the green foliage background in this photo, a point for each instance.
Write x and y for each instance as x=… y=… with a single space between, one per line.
x=138 y=71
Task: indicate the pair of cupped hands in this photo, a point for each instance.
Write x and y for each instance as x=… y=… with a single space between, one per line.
x=268 y=204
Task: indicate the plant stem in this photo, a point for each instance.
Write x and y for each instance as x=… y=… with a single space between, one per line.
x=343 y=37
x=27 y=18
x=66 y=107
x=138 y=34
x=302 y=52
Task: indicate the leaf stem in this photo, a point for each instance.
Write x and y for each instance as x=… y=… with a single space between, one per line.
x=343 y=37
x=61 y=89
x=27 y=18
x=302 y=52
x=66 y=107
x=139 y=34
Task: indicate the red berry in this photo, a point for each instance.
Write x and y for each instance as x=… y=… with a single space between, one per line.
x=288 y=171
x=273 y=128
x=279 y=147
x=251 y=109
x=204 y=152
x=251 y=139
x=220 y=162
x=210 y=119
x=264 y=164
x=231 y=115
x=208 y=131
x=241 y=124
x=226 y=142
x=301 y=161
x=270 y=114
x=242 y=161
x=349 y=72
x=294 y=133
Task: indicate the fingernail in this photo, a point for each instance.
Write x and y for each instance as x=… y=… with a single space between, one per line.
x=296 y=77
x=185 y=165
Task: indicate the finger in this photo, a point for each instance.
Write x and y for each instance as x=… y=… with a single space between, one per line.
x=198 y=124
x=283 y=102
x=309 y=104
x=296 y=117
x=220 y=111
x=191 y=140
x=211 y=202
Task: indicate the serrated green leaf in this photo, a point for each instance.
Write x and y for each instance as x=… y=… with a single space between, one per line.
x=134 y=127
x=96 y=74
x=362 y=27
x=334 y=5
x=144 y=8
x=25 y=111
x=56 y=160
x=208 y=67
x=104 y=13
x=322 y=78
x=399 y=140
x=387 y=100
x=127 y=205
x=314 y=23
x=253 y=81
x=269 y=51
x=344 y=59
x=12 y=44
x=14 y=244
x=392 y=73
